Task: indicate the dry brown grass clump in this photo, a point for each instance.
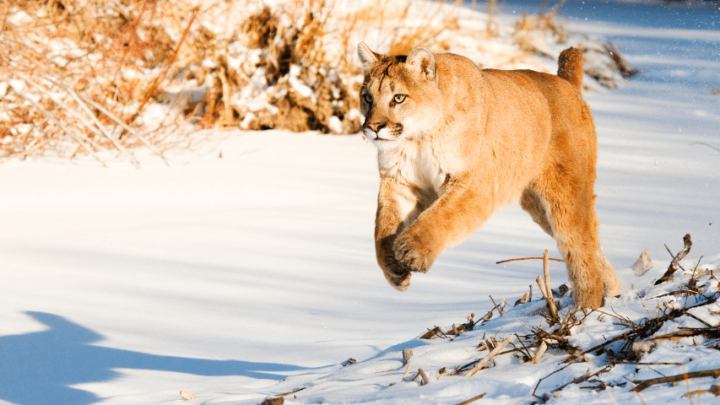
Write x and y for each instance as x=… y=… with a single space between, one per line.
x=281 y=78
x=91 y=76
x=82 y=76
x=75 y=75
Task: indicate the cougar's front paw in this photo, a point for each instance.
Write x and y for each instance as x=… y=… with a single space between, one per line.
x=395 y=273
x=414 y=252
x=400 y=279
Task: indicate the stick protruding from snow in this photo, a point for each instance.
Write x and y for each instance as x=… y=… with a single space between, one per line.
x=546 y=290
x=482 y=363
x=406 y=353
x=424 y=376
x=674 y=265
x=407 y=371
x=541 y=351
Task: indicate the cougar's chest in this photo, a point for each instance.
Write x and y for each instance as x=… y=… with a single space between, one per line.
x=417 y=165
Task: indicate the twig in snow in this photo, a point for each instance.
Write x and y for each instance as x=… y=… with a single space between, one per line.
x=644 y=331
x=530 y=294
x=548 y=290
x=683 y=333
x=424 y=376
x=523 y=324
x=701 y=321
x=585 y=377
x=526 y=352
x=489 y=357
x=496 y=306
x=522 y=300
x=625 y=321
x=674 y=264
x=431 y=333
x=539 y=354
x=678 y=292
x=485 y=317
x=639 y=363
x=549 y=300
x=703 y=143
x=541 y=284
x=528 y=258
x=473 y=399
x=289 y=393
x=547 y=376
x=407 y=371
x=643 y=384
x=406 y=354
x=640 y=398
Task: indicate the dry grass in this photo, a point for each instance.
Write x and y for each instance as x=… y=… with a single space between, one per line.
x=531 y=32
x=90 y=77
x=78 y=74
x=637 y=335
x=83 y=76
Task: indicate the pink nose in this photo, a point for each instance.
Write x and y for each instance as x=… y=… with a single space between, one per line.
x=376 y=126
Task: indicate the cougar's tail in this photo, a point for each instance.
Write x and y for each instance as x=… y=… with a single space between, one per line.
x=570 y=66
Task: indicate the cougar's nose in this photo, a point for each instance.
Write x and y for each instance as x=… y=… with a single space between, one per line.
x=376 y=126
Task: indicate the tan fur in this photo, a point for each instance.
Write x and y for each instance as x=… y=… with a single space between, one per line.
x=464 y=142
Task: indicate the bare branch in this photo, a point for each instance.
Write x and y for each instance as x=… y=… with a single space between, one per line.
x=643 y=384
x=674 y=264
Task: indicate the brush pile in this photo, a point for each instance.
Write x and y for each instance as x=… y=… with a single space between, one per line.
x=90 y=77
x=655 y=344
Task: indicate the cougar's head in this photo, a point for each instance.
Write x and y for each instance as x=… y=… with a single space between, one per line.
x=399 y=97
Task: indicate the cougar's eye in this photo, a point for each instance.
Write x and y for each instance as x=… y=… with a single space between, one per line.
x=368 y=98
x=399 y=98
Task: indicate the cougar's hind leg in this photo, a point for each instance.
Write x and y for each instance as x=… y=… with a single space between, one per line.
x=535 y=206
x=612 y=284
x=570 y=203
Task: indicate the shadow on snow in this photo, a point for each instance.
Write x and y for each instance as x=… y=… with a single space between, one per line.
x=39 y=367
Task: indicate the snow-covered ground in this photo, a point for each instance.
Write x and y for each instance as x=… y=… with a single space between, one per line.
x=221 y=276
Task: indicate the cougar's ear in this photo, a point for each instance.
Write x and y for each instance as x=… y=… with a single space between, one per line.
x=367 y=57
x=423 y=62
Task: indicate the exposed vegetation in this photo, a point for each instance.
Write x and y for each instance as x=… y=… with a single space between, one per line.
x=90 y=76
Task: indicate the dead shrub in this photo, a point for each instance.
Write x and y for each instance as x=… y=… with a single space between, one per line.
x=89 y=76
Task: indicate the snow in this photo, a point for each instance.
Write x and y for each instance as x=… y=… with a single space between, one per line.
x=222 y=276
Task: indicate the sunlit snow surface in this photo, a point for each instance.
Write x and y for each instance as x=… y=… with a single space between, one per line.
x=223 y=276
